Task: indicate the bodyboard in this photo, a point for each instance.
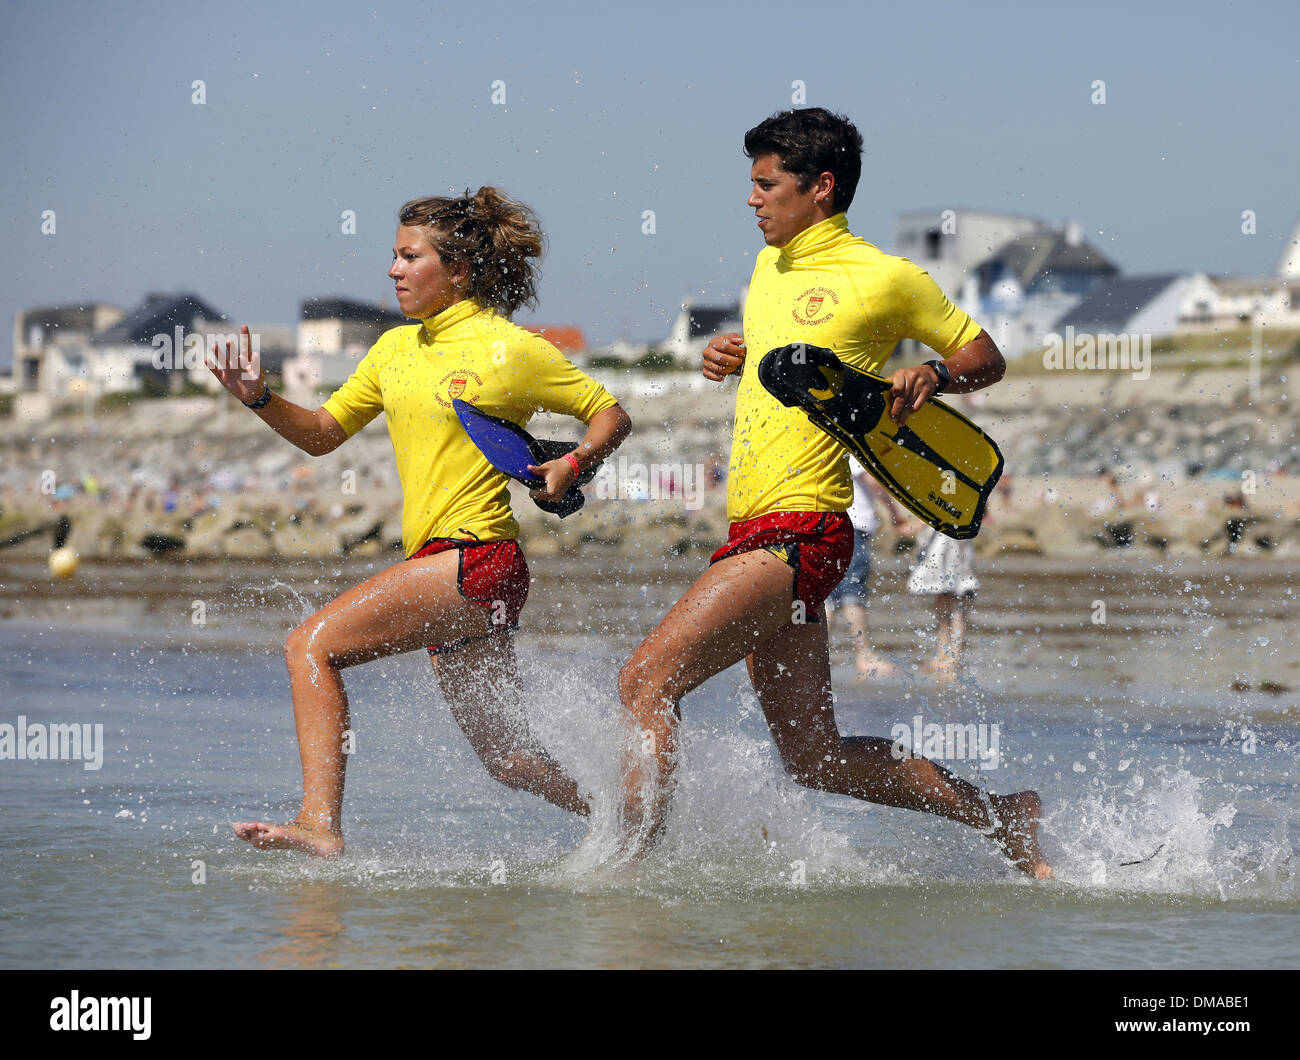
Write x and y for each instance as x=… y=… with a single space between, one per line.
x=940 y=466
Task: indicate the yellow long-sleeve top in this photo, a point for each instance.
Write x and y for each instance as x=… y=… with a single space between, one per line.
x=412 y=374
x=826 y=287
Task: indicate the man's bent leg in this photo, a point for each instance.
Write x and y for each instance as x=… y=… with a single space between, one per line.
x=791 y=674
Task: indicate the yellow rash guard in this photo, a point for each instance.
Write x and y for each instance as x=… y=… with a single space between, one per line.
x=412 y=374
x=826 y=287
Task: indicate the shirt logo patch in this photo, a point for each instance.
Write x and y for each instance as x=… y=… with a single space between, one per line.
x=455 y=384
x=811 y=306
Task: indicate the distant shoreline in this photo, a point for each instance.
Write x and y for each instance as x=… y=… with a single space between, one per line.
x=200 y=478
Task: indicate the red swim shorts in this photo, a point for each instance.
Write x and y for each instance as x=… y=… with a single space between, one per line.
x=491 y=573
x=816 y=545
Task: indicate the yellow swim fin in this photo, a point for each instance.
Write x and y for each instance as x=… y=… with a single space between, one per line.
x=940 y=466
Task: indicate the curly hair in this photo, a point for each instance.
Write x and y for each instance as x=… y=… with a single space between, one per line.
x=494 y=235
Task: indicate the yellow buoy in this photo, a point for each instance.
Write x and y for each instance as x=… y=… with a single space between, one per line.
x=63 y=563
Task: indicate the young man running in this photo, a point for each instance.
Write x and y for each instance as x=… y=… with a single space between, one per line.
x=788 y=488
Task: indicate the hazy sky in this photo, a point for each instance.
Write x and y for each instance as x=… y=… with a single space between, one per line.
x=316 y=108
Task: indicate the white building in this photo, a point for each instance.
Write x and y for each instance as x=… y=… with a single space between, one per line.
x=695 y=324
x=1287 y=268
x=1242 y=301
x=623 y=351
x=333 y=335
x=54 y=361
x=50 y=343
x=162 y=339
x=948 y=244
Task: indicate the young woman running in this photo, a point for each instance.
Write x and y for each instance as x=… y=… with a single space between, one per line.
x=461 y=266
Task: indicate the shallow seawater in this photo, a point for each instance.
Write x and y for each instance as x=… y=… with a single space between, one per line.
x=1170 y=799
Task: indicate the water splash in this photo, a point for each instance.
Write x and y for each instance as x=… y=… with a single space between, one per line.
x=1173 y=829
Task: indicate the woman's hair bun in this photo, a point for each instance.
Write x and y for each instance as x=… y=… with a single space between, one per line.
x=499 y=238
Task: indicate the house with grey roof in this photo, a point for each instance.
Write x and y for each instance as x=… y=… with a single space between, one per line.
x=167 y=337
x=153 y=338
x=1046 y=262
x=949 y=243
x=1144 y=305
x=69 y=353
x=1015 y=275
x=1033 y=279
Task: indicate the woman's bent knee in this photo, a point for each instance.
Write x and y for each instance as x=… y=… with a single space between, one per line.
x=297 y=643
x=303 y=645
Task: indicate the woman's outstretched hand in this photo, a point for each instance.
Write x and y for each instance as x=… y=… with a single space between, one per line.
x=238 y=370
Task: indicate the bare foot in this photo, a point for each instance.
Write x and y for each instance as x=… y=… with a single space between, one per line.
x=1016 y=832
x=943 y=668
x=872 y=664
x=292 y=836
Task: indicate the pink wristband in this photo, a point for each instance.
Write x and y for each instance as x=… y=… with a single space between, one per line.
x=573 y=463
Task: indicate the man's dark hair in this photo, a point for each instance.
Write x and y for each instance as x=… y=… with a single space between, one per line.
x=809 y=143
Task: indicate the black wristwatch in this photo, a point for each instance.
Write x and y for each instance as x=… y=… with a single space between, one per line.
x=941 y=370
x=263 y=401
